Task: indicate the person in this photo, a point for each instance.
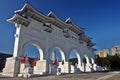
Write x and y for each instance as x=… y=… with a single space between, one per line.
x=56 y=62
x=34 y=62
x=24 y=59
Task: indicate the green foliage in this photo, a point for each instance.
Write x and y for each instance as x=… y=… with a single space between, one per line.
x=115 y=62
x=73 y=60
x=110 y=62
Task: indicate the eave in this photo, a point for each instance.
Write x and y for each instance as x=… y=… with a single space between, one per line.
x=84 y=38
x=19 y=19
x=56 y=21
x=73 y=27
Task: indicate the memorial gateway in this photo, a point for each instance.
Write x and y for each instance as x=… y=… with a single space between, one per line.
x=46 y=33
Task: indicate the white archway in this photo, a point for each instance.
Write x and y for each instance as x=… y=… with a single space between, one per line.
x=44 y=33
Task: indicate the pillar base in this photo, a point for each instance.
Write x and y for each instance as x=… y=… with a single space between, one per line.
x=64 y=67
x=41 y=67
x=88 y=68
x=25 y=70
x=11 y=67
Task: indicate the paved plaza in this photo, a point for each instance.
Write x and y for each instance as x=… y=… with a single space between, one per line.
x=82 y=76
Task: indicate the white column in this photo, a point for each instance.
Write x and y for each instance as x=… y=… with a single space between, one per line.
x=17 y=40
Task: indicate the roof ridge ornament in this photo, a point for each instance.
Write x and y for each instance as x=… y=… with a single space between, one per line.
x=69 y=21
x=52 y=14
x=26 y=5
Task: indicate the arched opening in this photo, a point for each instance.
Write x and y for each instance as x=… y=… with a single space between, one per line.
x=73 y=58
x=55 y=54
x=86 y=59
x=92 y=63
x=74 y=61
x=31 y=51
x=32 y=54
x=86 y=63
x=56 y=60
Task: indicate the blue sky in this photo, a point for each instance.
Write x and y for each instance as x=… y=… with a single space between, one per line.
x=100 y=18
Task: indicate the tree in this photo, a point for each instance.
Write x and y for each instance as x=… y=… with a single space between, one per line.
x=110 y=62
